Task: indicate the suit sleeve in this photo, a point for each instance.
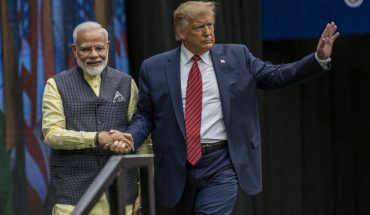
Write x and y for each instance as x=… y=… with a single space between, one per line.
x=141 y=122
x=270 y=76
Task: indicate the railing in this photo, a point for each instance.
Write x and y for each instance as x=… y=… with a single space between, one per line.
x=112 y=171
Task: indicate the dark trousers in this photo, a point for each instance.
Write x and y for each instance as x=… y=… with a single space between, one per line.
x=211 y=187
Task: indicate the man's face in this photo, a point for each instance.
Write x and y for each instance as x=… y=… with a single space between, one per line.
x=91 y=51
x=198 y=36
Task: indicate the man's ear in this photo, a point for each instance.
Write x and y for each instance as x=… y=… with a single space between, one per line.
x=180 y=33
x=74 y=50
x=108 y=45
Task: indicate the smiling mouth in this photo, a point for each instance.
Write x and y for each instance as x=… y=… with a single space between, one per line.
x=97 y=63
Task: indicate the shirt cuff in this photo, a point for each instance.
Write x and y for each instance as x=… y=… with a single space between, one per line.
x=323 y=63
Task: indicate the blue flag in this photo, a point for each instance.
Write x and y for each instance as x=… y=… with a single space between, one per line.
x=31 y=71
x=5 y=180
x=1 y=73
x=292 y=19
x=120 y=36
x=76 y=12
x=58 y=35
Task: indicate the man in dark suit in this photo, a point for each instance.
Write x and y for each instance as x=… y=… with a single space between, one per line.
x=206 y=144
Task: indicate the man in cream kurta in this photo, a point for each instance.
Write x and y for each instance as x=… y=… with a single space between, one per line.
x=80 y=106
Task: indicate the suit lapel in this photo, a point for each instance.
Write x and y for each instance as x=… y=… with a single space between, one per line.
x=174 y=84
x=220 y=65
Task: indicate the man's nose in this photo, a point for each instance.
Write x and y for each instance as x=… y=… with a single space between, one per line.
x=207 y=30
x=94 y=53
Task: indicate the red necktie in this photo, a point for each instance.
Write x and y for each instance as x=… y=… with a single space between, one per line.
x=193 y=113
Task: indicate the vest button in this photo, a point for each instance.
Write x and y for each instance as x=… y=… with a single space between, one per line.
x=99 y=122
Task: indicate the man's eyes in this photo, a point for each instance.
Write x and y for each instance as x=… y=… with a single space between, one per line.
x=202 y=27
x=90 y=49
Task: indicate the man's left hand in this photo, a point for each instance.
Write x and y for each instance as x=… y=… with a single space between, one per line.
x=327 y=39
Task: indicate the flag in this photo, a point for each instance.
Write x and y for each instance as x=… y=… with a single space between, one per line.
x=76 y=12
x=59 y=44
x=31 y=71
x=292 y=19
x=5 y=179
x=1 y=72
x=120 y=36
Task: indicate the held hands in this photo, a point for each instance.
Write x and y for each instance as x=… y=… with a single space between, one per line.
x=116 y=141
x=327 y=39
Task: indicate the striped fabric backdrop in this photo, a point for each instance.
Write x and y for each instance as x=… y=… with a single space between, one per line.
x=35 y=44
x=5 y=179
x=119 y=36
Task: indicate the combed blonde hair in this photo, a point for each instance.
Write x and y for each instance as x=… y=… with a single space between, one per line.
x=189 y=10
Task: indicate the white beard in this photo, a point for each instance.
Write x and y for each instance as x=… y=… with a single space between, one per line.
x=92 y=70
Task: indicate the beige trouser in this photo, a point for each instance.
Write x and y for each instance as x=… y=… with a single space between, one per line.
x=101 y=208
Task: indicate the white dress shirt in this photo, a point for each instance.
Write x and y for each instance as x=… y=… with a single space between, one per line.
x=212 y=124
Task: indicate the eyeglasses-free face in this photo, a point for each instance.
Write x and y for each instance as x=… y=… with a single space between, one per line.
x=199 y=36
x=91 y=46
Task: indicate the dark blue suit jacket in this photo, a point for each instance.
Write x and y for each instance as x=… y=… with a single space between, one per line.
x=239 y=74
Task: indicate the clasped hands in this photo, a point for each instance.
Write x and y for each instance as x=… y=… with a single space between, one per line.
x=116 y=141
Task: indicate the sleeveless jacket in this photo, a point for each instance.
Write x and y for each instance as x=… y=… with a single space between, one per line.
x=72 y=171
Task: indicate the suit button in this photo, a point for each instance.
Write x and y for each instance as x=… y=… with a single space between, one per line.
x=100 y=122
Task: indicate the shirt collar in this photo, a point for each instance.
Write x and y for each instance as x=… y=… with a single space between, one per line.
x=186 y=56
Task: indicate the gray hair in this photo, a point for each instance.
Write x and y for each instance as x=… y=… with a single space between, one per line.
x=88 y=26
x=189 y=10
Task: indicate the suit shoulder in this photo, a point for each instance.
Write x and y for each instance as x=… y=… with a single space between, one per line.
x=231 y=50
x=230 y=46
x=161 y=57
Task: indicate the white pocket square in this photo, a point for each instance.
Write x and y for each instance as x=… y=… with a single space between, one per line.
x=118 y=97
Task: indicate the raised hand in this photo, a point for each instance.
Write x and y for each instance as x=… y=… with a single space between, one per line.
x=327 y=39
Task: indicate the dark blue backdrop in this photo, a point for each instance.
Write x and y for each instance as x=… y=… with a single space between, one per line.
x=292 y=19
